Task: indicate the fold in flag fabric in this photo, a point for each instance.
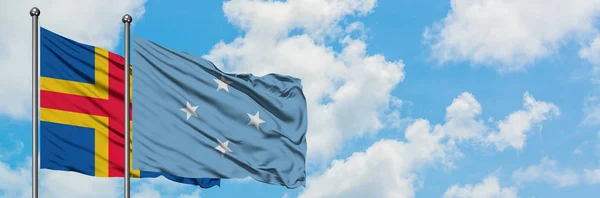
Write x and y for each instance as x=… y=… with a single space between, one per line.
x=82 y=111
x=193 y=120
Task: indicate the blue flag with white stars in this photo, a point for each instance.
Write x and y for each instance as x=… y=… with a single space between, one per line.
x=192 y=120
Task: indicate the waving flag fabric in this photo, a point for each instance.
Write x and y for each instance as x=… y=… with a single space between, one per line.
x=208 y=123
x=82 y=111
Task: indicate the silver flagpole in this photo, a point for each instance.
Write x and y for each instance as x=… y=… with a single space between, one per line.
x=127 y=22
x=35 y=13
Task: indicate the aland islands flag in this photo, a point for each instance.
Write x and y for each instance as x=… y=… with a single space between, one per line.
x=82 y=111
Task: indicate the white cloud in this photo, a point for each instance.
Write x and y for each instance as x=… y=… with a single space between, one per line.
x=461 y=118
x=16 y=182
x=514 y=128
x=70 y=184
x=591 y=109
x=547 y=171
x=579 y=149
x=592 y=176
x=146 y=191
x=463 y=122
x=589 y=146
x=359 y=28
x=195 y=194
x=274 y=18
x=92 y=22
x=355 y=85
x=388 y=168
x=394 y=118
x=384 y=170
x=242 y=180
x=162 y=187
x=592 y=54
x=513 y=33
x=489 y=188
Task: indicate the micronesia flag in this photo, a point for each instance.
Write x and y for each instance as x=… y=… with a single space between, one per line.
x=193 y=120
x=82 y=111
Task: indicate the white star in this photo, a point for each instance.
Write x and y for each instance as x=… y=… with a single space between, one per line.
x=190 y=111
x=222 y=84
x=223 y=147
x=255 y=120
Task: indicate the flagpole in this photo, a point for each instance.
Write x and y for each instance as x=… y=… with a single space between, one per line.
x=127 y=22
x=35 y=13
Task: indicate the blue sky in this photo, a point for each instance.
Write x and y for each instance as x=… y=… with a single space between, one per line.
x=406 y=99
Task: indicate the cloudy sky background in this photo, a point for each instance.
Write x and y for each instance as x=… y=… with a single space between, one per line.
x=460 y=98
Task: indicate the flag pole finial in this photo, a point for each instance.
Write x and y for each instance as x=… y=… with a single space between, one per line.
x=34 y=11
x=127 y=18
